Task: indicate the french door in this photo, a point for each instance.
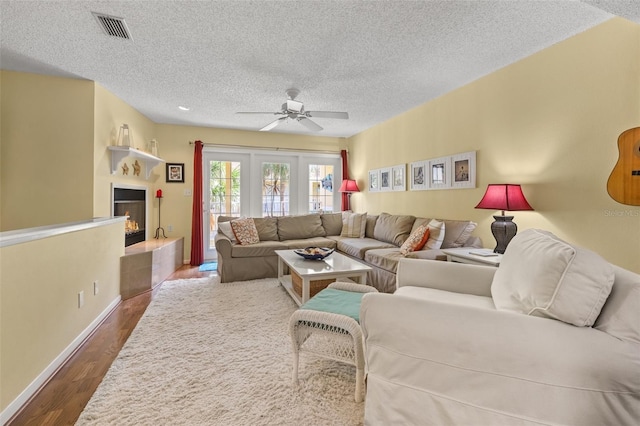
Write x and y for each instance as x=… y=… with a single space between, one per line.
x=239 y=182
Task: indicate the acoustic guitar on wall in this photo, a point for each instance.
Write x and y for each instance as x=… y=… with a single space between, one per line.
x=624 y=182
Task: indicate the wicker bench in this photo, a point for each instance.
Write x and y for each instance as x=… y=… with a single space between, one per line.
x=331 y=335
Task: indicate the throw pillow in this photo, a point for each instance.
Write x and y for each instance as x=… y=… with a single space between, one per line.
x=353 y=224
x=436 y=235
x=225 y=228
x=416 y=240
x=245 y=231
x=544 y=276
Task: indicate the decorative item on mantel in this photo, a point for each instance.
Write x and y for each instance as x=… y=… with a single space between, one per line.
x=153 y=147
x=124 y=136
x=136 y=168
x=159 y=228
x=503 y=197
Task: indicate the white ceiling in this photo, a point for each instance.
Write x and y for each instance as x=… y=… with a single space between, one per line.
x=373 y=59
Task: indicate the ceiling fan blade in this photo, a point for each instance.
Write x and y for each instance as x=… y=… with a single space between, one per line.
x=273 y=124
x=270 y=113
x=328 y=114
x=309 y=124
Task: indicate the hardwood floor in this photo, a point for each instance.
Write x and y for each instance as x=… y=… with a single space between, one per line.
x=63 y=398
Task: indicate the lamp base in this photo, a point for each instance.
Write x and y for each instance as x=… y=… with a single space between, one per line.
x=503 y=230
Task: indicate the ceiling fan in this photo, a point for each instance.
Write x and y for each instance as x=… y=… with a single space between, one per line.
x=294 y=110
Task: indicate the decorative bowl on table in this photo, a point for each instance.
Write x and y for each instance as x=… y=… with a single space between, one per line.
x=314 y=253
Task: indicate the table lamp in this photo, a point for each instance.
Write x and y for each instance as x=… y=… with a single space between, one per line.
x=349 y=186
x=503 y=197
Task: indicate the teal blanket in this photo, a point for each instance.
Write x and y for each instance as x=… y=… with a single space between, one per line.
x=337 y=302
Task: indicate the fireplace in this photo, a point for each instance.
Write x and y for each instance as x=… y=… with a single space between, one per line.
x=131 y=202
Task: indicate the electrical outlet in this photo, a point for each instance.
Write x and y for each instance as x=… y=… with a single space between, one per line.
x=188 y=192
x=170 y=228
x=81 y=299
x=96 y=287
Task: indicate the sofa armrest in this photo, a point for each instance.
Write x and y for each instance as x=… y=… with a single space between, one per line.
x=223 y=245
x=448 y=276
x=521 y=366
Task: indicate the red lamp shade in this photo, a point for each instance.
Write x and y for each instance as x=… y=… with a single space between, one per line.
x=349 y=185
x=504 y=197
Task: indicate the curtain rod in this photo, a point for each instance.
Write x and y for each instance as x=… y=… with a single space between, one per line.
x=210 y=145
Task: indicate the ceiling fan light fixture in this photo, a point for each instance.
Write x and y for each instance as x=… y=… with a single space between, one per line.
x=294 y=106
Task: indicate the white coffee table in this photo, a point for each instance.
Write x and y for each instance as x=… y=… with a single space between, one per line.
x=332 y=267
x=474 y=256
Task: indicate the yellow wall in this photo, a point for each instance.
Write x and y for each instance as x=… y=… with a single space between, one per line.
x=39 y=305
x=549 y=122
x=174 y=148
x=110 y=112
x=46 y=168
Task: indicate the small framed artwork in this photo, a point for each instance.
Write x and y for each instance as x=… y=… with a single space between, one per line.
x=175 y=172
x=398 y=180
x=385 y=179
x=463 y=170
x=439 y=173
x=418 y=175
x=374 y=180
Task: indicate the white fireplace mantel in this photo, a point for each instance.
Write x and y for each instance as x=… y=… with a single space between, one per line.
x=118 y=153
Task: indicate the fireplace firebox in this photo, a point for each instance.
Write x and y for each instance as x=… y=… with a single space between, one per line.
x=131 y=203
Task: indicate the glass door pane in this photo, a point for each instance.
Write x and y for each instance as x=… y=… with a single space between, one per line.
x=275 y=189
x=222 y=196
x=321 y=187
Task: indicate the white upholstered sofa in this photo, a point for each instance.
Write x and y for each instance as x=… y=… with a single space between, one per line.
x=462 y=344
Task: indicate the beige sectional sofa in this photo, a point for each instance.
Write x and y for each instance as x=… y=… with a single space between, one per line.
x=378 y=248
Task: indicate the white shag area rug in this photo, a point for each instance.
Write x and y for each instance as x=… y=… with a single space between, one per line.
x=206 y=353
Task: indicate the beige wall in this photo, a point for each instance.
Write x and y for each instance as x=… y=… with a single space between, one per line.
x=549 y=122
x=46 y=168
x=39 y=304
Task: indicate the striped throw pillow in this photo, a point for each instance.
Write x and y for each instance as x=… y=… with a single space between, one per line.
x=353 y=224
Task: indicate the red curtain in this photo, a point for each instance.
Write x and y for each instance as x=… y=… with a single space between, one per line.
x=345 y=175
x=197 y=249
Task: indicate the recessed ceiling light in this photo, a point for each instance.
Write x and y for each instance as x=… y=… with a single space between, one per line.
x=183 y=108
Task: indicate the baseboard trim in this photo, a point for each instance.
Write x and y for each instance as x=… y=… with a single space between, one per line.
x=43 y=378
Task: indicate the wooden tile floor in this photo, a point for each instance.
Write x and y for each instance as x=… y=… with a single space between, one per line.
x=63 y=398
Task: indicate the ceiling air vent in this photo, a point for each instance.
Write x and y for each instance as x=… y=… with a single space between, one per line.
x=113 y=26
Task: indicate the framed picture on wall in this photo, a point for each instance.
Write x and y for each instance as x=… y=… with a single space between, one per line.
x=175 y=172
x=418 y=179
x=398 y=180
x=463 y=168
x=385 y=179
x=439 y=173
x=374 y=180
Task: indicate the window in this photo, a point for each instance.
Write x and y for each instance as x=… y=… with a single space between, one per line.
x=275 y=189
x=321 y=187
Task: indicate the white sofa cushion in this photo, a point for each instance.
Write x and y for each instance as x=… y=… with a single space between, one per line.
x=542 y=275
x=436 y=235
x=353 y=224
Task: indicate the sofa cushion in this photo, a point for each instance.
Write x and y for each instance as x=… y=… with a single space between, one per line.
x=620 y=316
x=225 y=229
x=297 y=227
x=436 y=235
x=267 y=228
x=384 y=258
x=332 y=223
x=416 y=240
x=310 y=242
x=542 y=275
x=357 y=247
x=393 y=229
x=245 y=231
x=449 y=297
x=353 y=224
x=371 y=225
x=261 y=249
x=457 y=233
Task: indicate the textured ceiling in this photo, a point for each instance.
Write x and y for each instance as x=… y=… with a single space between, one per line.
x=374 y=59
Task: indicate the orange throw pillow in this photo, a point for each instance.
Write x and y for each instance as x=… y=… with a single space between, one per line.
x=416 y=240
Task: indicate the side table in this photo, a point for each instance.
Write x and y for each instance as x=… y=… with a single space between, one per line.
x=484 y=257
